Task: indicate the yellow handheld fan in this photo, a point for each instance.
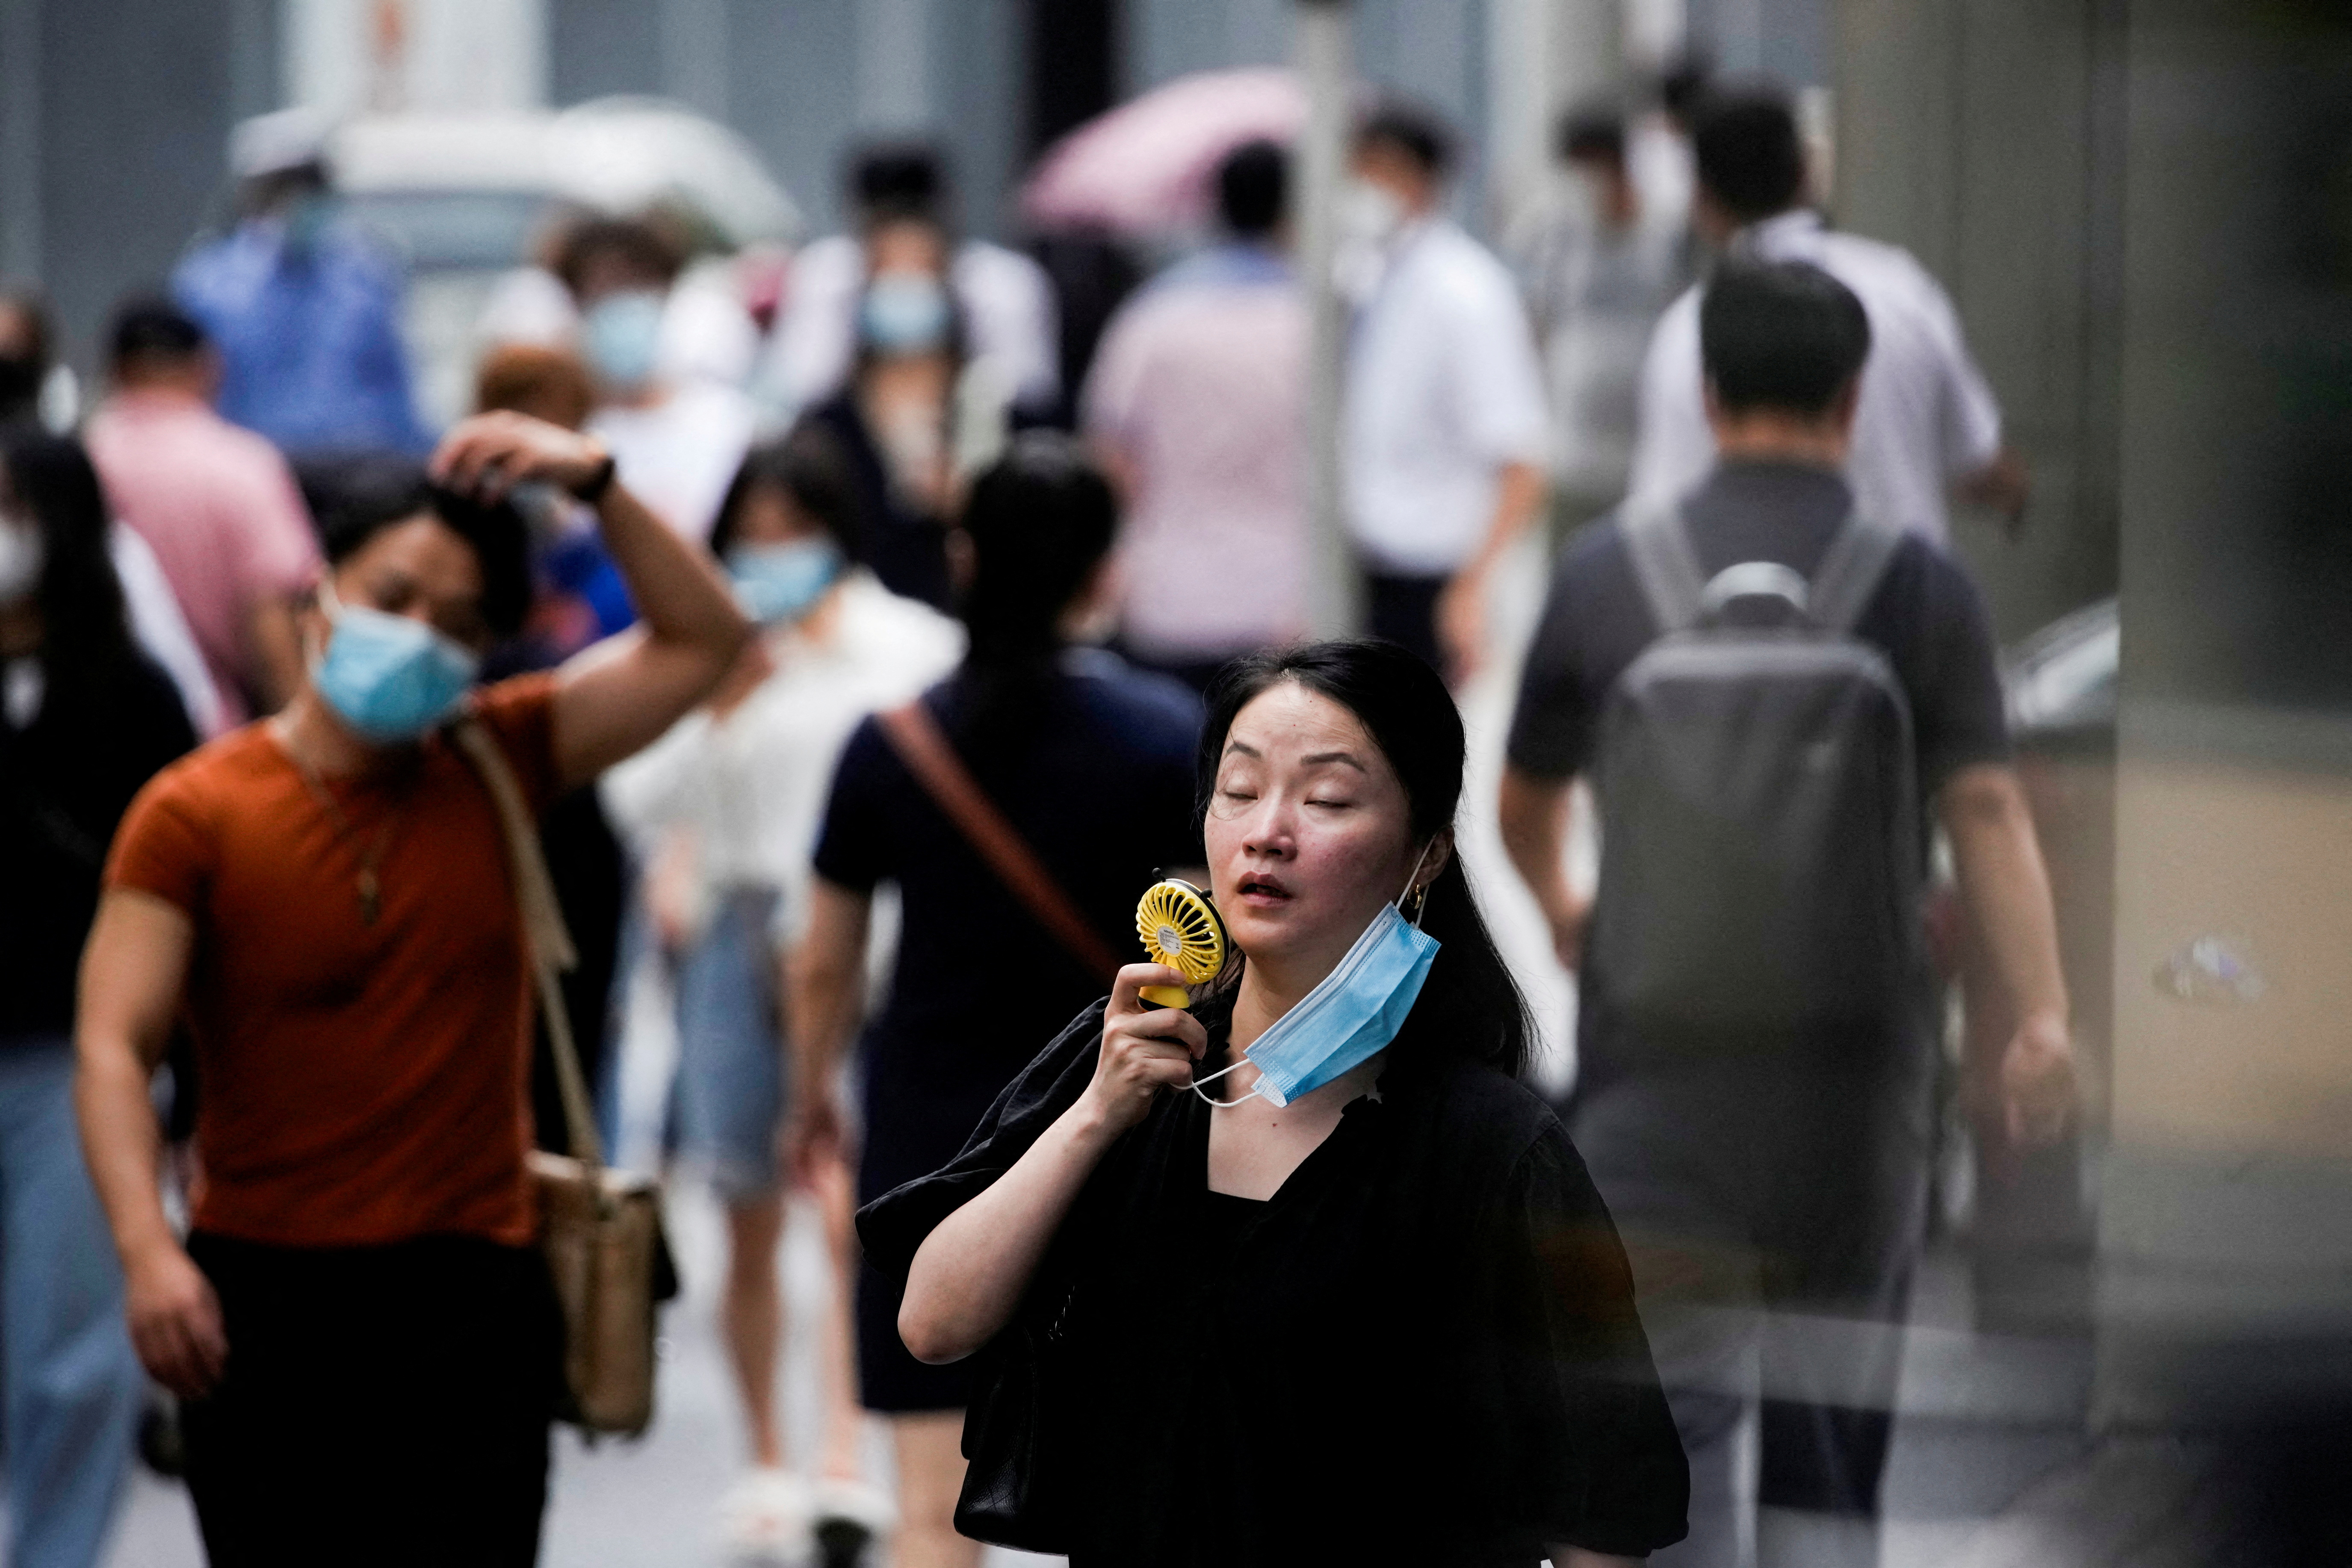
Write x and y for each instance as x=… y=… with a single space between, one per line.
x=1180 y=929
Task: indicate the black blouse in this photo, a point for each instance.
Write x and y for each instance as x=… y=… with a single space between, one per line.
x=1423 y=1348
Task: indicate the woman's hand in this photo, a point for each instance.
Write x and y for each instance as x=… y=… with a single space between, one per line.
x=1145 y=1050
x=489 y=454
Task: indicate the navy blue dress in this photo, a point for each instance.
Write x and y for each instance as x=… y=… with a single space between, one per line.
x=1092 y=762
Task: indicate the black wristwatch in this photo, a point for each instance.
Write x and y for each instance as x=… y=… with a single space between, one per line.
x=591 y=489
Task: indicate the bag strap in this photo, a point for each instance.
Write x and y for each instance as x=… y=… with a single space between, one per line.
x=544 y=933
x=1664 y=564
x=1849 y=573
x=915 y=736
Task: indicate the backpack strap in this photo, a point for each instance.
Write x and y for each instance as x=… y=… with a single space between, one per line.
x=1849 y=573
x=1665 y=563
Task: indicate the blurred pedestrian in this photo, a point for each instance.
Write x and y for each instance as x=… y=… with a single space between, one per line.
x=1597 y=269
x=678 y=441
x=1002 y=297
x=723 y=812
x=362 y=1331
x=581 y=596
x=304 y=310
x=1088 y=766
x=1927 y=425
x=85 y=720
x=1757 y=1039
x=1198 y=402
x=26 y=359
x=157 y=621
x=1445 y=420
x=217 y=504
x=1399 y=1327
x=905 y=415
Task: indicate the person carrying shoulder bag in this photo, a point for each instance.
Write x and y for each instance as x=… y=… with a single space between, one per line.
x=364 y=1333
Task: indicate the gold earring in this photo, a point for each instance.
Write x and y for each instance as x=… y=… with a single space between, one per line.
x=1420 y=901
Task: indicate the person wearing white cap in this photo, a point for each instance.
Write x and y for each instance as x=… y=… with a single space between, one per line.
x=304 y=311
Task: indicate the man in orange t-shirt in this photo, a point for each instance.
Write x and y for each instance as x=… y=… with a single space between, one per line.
x=362 y=1332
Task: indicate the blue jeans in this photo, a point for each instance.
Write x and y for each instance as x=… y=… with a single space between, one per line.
x=70 y=1389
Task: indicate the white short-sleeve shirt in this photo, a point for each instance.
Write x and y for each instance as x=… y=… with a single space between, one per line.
x=1926 y=416
x=1007 y=301
x=1442 y=390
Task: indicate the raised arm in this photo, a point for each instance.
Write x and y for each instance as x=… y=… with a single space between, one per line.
x=132 y=972
x=970 y=1273
x=616 y=698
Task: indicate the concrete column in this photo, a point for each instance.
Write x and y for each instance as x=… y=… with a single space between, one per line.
x=21 y=237
x=1542 y=56
x=695 y=55
x=1327 y=59
x=894 y=74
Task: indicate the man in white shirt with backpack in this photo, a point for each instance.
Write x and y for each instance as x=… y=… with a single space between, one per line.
x=1771 y=693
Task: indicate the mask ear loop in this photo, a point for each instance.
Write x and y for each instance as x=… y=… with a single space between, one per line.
x=1222 y=1104
x=1420 y=895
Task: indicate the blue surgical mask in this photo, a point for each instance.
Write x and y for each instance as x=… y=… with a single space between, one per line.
x=783 y=582
x=391 y=678
x=621 y=336
x=904 y=313
x=1348 y=1019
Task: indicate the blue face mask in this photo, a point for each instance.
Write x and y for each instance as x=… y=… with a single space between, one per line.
x=777 y=582
x=1349 y=1018
x=391 y=678
x=621 y=336
x=904 y=313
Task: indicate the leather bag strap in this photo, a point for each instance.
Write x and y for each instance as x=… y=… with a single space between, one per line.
x=546 y=936
x=915 y=736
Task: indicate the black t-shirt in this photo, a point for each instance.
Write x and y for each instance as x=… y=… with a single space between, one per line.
x=1926 y=614
x=1423 y=1349
x=1092 y=764
x=66 y=779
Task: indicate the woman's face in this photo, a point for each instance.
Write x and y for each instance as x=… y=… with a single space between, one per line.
x=422 y=569
x=770 y=516
x=1308 y=832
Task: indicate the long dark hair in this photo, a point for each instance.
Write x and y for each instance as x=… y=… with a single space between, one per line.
x=1040 y=521
x=1470 y=995
x=86 y=646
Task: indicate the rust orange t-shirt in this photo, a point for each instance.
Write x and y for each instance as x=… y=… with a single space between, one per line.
x=360 y=1083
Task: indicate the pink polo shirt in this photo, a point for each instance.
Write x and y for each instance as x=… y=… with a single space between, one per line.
x=219 y=507
x=1200 y=385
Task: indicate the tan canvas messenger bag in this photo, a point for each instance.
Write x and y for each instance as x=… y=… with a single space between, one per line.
x=600 y=1228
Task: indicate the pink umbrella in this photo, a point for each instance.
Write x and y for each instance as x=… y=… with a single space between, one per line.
x=1144 y=167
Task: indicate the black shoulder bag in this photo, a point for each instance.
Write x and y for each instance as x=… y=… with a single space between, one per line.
x=1015 y=1434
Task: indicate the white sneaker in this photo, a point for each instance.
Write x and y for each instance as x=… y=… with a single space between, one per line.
x=850 y=1515
x=765 y=1518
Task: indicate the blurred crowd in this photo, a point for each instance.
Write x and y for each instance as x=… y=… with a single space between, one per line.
x=943 y=485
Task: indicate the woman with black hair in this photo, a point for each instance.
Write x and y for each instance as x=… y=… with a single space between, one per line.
x=723 y=813
x=1343 y=1293
x=85 y=720
x=1088 y=765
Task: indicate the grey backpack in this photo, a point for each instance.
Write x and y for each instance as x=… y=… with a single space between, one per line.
x=1761 y=853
